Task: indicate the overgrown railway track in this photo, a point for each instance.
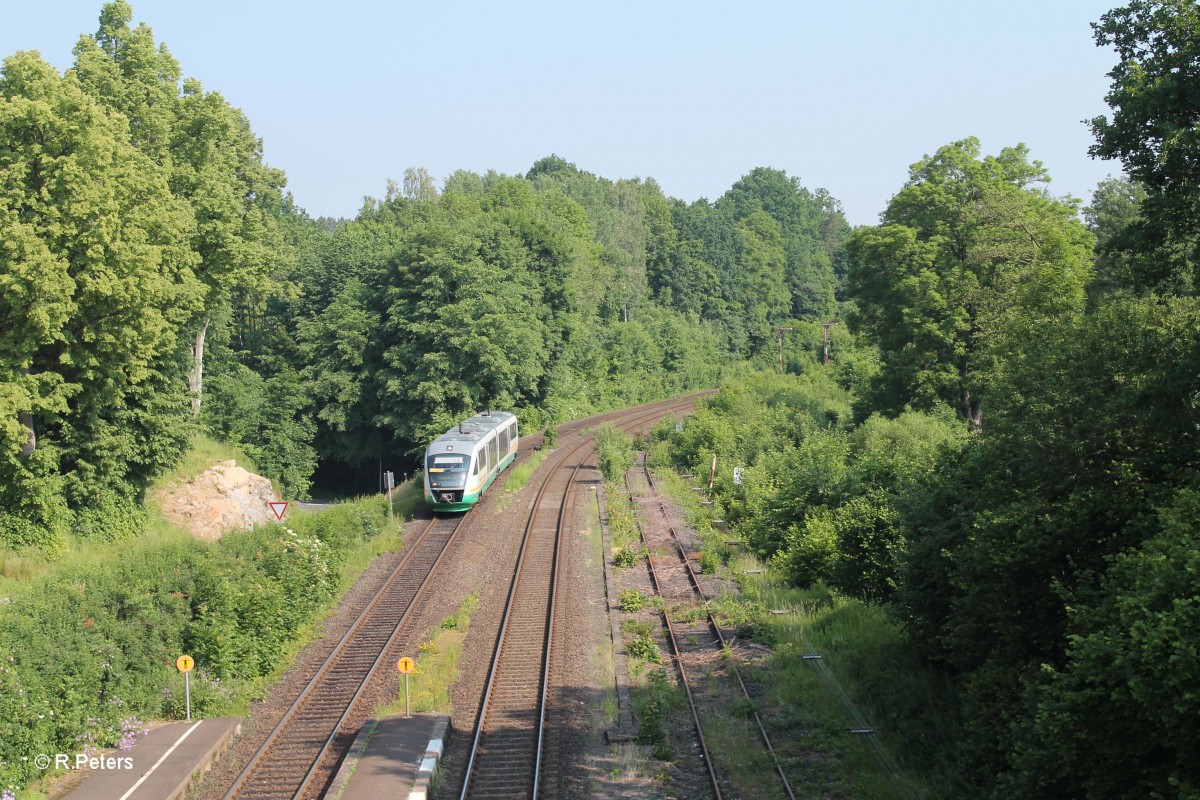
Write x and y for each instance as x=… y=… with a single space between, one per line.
x=675 y=579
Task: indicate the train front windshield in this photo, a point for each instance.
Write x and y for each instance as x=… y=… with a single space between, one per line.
x=447 y=471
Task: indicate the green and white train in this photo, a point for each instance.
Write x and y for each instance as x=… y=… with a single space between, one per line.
x=462 y=462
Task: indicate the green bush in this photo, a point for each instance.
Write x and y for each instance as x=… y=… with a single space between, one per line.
x=111 y=518
x=210 y=695
x=624 y=558
x=642 y=646
x=33 y=511
x=632 y=601
x=658 y=698
x=811 y=549
x=614 y=449
x=88 y=648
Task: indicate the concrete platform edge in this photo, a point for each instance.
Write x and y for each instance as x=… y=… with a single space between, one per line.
x=624 y=730
x=350 y=762
x=429 y=764
x=426 y=772
x=209 y=758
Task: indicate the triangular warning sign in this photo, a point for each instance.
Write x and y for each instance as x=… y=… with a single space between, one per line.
x=278 y=507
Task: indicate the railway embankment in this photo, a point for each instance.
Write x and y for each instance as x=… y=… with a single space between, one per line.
x=89 y=640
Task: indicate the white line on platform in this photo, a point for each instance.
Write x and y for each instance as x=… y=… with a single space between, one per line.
x=147 y=773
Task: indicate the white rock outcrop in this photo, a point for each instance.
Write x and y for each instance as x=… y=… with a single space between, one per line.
x=224 y=497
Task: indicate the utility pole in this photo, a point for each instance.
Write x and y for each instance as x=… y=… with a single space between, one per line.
x=780 y=331
x=826 y=326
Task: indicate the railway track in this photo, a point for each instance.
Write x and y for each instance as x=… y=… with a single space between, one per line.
x=289 y=760
x=302 y=751
x=675 y=579
x=506 y=751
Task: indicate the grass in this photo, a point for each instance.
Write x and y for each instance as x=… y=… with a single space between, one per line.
x=866 y=665
x=607 y=713
x=518 y=477
x=698 y=517
x=735 y=745
x=205 y=451
x=867 y=660
x=655 y=698
x=22 y=564
x=18 y=566
x=437 y=665
x=357 y=561
x=407 y=498
x=622 y=528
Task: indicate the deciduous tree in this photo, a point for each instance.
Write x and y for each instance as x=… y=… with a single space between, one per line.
x=970 y=261
x=97 y=278
x=1155 y=98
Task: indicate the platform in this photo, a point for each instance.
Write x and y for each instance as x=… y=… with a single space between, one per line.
x=393 y=757
x=162 y=765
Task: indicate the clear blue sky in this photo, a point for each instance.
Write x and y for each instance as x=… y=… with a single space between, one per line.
x=845 y=95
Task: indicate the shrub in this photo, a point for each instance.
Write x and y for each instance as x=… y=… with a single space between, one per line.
x=210 y=695
x=811 y=549
x=88 y=647
x=632 y=601
x=614 y=449
x=660 y=697
x=624 y=558
x=642 y=645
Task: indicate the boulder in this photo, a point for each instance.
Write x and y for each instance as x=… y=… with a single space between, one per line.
x=224 y=497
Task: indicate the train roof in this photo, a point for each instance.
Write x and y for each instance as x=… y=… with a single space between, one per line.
x=470 y=431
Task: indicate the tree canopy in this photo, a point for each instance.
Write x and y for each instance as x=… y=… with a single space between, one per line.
x=970 y=263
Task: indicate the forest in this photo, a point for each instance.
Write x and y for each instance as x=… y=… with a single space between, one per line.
x=1001 y=449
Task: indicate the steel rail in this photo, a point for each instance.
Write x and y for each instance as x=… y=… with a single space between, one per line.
x=677 y=657
x=341 y=648
x=387 y=646
x=360 y=625
x=694 y=579
x=493 y=670
x=643 y=414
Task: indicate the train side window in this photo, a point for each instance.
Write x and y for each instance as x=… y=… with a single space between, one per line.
x=478 y=458
x=504 y=441
x=495 y=457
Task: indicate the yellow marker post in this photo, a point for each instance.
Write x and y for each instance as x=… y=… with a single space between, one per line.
x=185 y=665
x=406 y=666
